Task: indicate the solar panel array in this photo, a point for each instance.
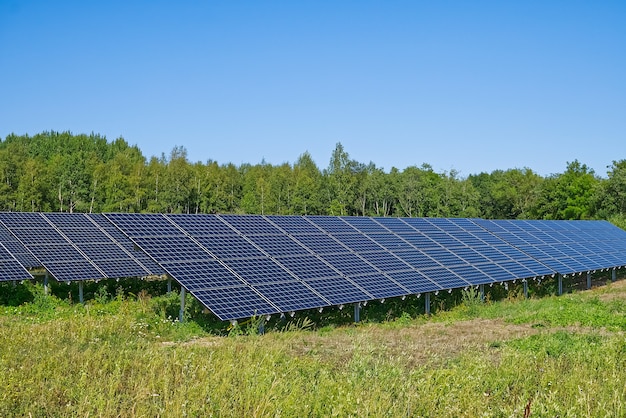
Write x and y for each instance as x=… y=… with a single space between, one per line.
x=244 y=265
x=565 y=246
x=72 y=246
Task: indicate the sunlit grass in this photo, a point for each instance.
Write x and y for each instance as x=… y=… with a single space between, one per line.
x=555 y=356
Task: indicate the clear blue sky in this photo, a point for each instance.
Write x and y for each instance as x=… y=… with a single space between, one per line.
x=466 y=85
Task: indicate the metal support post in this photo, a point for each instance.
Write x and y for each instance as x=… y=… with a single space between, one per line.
x=357 y=313
x=525 y=289
x=427 y=303
x=45 y=284
x=588 y=280
x=613 y=275
x=560 y=280
x=181 y=314
x=14 y=283
x=482 y=292
x=81 y=299
x=169 y=285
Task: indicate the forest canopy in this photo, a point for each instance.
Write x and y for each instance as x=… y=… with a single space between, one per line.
x=62 y=172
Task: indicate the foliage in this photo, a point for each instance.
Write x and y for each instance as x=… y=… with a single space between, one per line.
x=59 y=171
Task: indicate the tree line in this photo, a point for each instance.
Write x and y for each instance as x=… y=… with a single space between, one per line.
x=62 y=172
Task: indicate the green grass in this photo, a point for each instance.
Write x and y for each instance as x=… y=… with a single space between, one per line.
x=125 y=356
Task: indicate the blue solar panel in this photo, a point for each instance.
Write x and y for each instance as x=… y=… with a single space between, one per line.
x=472 y=274
x=10 y=268
x=321 y=243
x=201 y=225
x=251 y=224
x=339 y=291
x=291 y=296
x=332 y=224
x=365 y=225
x=396 y=225
x=385 y=261
x=165 y=250
x=144 y=225
x=417 y=259
x=66 y=271
x=414 y=281
x=235 y=302
x=23 y=220
x=17 y=249
x=278 y=245
x=307 y=267
x=229 y=247
x=294 y=224
x=378 y=285
x=260 y=270
x=349 y=264
x=358 y=242
x=445 y=278
x=419 y=241
x=390 y=242
x=444 y=256
x=205 y=274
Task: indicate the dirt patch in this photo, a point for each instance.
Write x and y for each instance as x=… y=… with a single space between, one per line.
x=412 y=345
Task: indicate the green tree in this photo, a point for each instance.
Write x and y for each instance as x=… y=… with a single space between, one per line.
x=306 y=198
x=569 y=195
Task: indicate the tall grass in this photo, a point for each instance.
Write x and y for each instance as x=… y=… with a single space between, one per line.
x=126 y=357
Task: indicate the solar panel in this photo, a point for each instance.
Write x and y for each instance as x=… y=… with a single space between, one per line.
x=307 y=267
x=278 y=245
x=556 y=244
x=235 y=302
x=293 y=263
x=260 y=270
x=365 y=225
x=291 y=296
x=332 y=224
x=251 y=224
x=205 y=274
x=414 y=281
x=85 y=233
x=358 y=243
x=17 y=249
x=321 y=243
x=202 y=225
x=228 y=247
x=10 y=268
x=378 y=285
x=339 y=291
x=294 y=224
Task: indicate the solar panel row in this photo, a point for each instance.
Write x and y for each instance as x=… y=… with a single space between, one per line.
x=244 y=265
x=73 y=246
x=322 y=260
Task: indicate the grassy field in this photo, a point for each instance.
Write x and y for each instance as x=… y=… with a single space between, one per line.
x=125 y=356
